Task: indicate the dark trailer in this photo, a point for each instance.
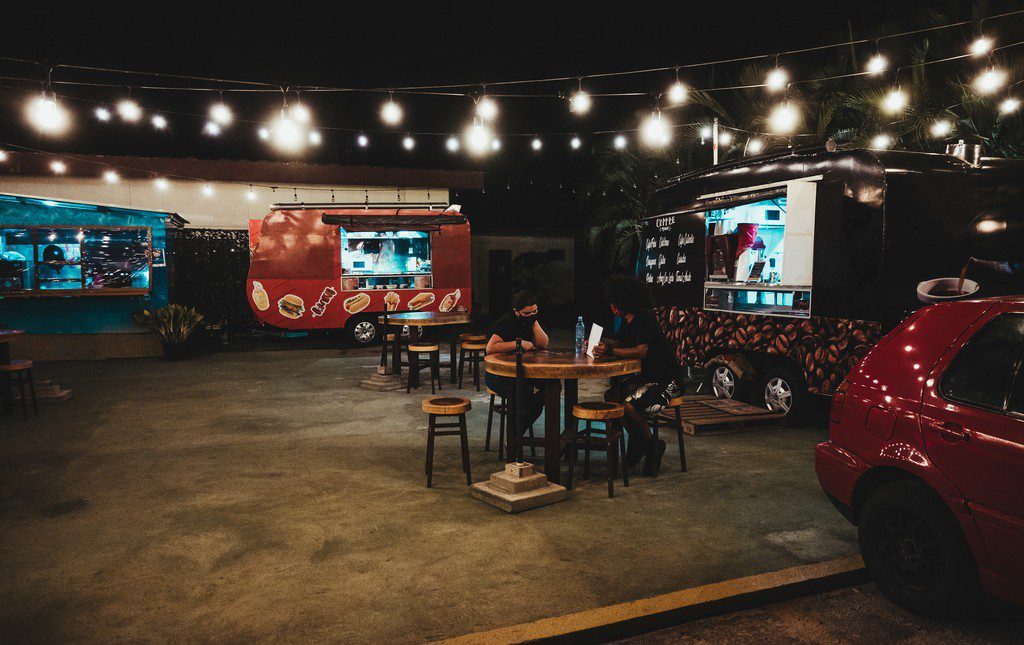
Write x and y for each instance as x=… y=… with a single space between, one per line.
x=779 y=273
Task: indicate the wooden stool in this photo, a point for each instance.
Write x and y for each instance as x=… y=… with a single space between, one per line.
x=447 y=406
x=473 y=338
x=20 y=370
x=434 y=363
x=475 y=350
x=612 y=441
x=655 y=422
x=386 y=346
x=502 y=410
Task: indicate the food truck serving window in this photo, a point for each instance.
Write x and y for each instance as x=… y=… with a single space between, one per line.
x=386 y=259
x=40 y=260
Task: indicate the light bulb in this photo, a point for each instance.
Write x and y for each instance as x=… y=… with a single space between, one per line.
x=207 y=190
x=990 y=80
x=110 y=177
x=895 y=101
x=408 y=143
x=211 y=129
x=221 y=114
x=250 y=194
x=580 y=103
x=159 y=121
x=705 y=132
x=3 y=156
x=536 y=144
x=301 y=113
x=1009 y=105
x=725 y=137
x=755 y=146
x=655 y=131
x=263 y=133
x=981 y=46
x=315 y=137
x=129 y=110
x=391 y=113
x=496 y=144
x=362 y=141
x=783 y=119
x=877 y=64
x=58 y=167
x=478 y=138
x=575 y=143
x=161 y=183
x=487 y=109
x=452 y=144
x=103 y=114
x=619 y=142
x=776 y=80
x=285 y=134
x=676 y=93
x=47 y=116
x=941 y=128
x=881 y=142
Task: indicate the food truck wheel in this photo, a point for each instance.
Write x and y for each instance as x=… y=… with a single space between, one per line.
x=362 y=331
x=783 y=392
x=726 y=383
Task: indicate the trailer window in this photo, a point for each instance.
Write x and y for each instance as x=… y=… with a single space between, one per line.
x=745 y=238
x=385 y=253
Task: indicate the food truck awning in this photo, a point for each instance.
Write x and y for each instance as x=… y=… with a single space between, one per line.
x=409 y=219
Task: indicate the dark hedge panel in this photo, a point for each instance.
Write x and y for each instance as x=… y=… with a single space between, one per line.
x=209 y=269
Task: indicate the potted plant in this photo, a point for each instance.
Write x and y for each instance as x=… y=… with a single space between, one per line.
x=174 y=323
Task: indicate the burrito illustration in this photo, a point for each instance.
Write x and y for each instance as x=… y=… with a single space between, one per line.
x=356 y=303
x=448 y=302
x=392 y=300
x=421 y=300
x=291 y=306
x=259 y=296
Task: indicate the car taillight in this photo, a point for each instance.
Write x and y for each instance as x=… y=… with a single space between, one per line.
x=836 y=411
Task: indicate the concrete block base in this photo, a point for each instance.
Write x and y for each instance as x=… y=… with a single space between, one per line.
x=382 y=382
x=518 y=488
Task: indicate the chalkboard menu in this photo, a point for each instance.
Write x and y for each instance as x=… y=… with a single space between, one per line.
x=671 y=260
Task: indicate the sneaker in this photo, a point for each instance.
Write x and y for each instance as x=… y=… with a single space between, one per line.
x=635 y=452
x=654 y=454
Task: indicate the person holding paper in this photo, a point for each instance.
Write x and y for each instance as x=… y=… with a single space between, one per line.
x=519 y=323
x=660 y=378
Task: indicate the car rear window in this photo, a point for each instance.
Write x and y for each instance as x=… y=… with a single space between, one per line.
x=983 y=370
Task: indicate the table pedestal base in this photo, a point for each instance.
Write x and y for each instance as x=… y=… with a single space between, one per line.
x=518 y=488
x=383 y=380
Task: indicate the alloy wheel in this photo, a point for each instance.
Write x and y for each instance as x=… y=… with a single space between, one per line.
x=911 y=552
x=364 y=331
x=778 y=395
x=723 y=383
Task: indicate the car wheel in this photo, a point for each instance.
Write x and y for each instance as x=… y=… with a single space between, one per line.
x=914 y=549
x=783 y=392
x=724 y=383
x=362 y=331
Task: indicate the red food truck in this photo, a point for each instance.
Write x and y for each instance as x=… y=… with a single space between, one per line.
x=329 y=266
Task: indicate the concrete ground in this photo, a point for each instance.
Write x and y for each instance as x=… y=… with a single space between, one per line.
x=263 y=495
x=854 y=615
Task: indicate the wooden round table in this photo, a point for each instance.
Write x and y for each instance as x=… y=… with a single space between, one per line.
x=416 y=319
x=551 y=368
x=6 y=397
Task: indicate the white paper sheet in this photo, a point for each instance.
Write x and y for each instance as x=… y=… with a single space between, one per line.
x=595 y=338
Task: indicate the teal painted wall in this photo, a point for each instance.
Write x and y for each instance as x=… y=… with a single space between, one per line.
x=80 y=314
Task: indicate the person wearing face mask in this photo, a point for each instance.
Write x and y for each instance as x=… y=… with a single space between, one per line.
x=660 y=378
x=519 y=323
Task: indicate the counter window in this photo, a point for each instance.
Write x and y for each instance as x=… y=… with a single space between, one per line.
x=385 y=259
x=44 y=259
x=746 y=242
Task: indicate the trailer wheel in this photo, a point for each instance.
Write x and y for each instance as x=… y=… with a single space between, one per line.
x=783 y=392
x=362 y=331
x=726 y=384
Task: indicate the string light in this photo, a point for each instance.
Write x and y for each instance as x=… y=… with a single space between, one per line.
x=284 y=133
x=619 y=142
x=391 y=112
x=250 y=194
x=776 y=80
x=362 y=141
x=111 y=177
x=408 y=142
x=58 y=167
x=212 y=129
x=102 y=114
x=487 y=109
x=207 y=190
x=784 y=118
x=3 y=156
x=895 y=101
x=478 y=138
x=220 y=114
x=655 y=131
x=452 y=143
x=575 y=143
x=676 y=93
x=877 y=64
x=705 y=132
x=129 y=111
x=725 y=137
x=580 y=102
x=941 y=128
x=990 y=80
x=496 y=144
x=981 y=46
x=536 y=144
x=755 y=146
x=47 y=116
x=315 y=137
x=301 y=113
x=161 y=183
x=263 y=133
x=159 y=122
x=881 y=142
x=1009 y=105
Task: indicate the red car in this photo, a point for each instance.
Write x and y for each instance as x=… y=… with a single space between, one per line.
x=926 y=455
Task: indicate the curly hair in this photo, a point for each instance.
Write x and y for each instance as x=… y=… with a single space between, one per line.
x=627 y=294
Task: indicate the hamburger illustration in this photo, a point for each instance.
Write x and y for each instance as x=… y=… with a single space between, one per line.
x=448 y=302
x=421 y=300
x=291 y=306
x=356 y=303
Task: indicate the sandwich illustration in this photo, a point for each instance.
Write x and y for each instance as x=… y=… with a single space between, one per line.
x=259 y=296
x=421 y=300
x=356 y=303
x=392 y=300
x=448 y=302
x=291 y=306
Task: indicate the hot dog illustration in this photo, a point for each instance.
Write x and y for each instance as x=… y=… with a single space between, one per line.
x=291 y=306
x=421 y=300
x=448 y=302
x=392 y=300
x=356 y=303
x=259 y=296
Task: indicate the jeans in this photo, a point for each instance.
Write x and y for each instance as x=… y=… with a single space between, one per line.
x=531 y=403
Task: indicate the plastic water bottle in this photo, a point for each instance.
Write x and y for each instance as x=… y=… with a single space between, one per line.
x=580 y=335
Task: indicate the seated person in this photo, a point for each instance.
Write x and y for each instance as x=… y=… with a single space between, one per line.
x=520 y=323
x=660 y=377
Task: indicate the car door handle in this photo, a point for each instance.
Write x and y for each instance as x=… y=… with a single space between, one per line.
x=950 y=431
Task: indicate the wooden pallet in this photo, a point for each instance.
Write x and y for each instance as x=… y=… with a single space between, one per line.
x=704 y=414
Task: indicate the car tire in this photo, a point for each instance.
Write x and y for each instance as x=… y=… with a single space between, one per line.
x=725 y=383
x=914 y=549
x=782 y=391
x=362 y=331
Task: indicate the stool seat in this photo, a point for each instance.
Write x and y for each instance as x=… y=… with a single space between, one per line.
x=676 y=402
x=492 y=392
x=446 y=405
x=17 y=365
x=474 y=346
x=475 y=338
x=423 y=347
x=598 y=410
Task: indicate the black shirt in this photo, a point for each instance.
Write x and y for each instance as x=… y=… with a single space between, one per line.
x=660 y=364
x=510 y=327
